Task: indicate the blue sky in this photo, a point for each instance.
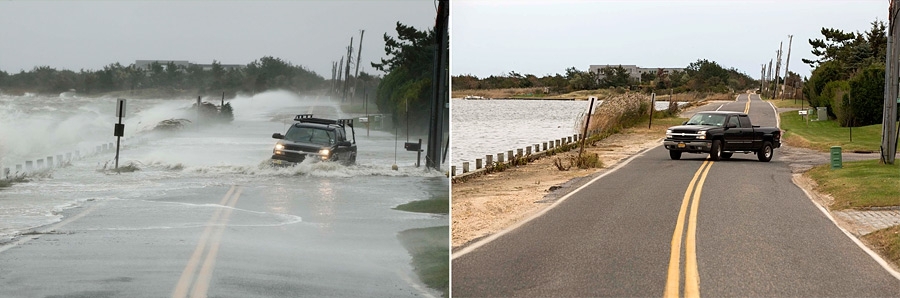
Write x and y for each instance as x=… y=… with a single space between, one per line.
x=546 y=37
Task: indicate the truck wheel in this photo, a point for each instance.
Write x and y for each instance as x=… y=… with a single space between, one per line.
x=727 y=154
x=765 y=153
x=674 y=155
x=715 y=152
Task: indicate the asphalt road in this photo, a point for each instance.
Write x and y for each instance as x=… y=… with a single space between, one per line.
x=644 y=230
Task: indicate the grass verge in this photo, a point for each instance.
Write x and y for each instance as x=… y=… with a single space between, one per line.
x=821 y=135
x=438 y=206
x=789 y=103
x=886 y=242
x=430 y=255
x=859 y=184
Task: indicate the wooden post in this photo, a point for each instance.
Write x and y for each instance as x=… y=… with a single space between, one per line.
x=545 y=146
x=452 y=171
x=652 y=107
x=489 y=160
x=465 y=167
x=499 y=157
x=478 y=163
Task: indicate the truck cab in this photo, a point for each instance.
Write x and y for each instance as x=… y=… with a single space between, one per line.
x=320 y=139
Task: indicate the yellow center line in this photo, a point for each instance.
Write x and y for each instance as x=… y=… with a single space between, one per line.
x=187 y=275
x=691 y=274
x=692 y=279
x=747 y=108
x=201 y=285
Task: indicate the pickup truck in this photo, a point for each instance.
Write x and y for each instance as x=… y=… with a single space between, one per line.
x=317 y=139
x=721 y=134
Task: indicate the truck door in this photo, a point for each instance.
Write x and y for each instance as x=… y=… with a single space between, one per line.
x=734 y=138
x=752 y=141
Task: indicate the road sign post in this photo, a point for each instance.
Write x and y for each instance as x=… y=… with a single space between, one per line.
x=119 y=130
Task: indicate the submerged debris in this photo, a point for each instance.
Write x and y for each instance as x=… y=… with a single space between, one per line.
x=171 y=124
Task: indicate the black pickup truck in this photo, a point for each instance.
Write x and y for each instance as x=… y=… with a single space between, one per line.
x=721 y=134
x=321 y=139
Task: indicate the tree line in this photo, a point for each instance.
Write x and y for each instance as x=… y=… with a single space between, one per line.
x=405 y=91
x=260 y=75
x=702 y=76
x=848 y=74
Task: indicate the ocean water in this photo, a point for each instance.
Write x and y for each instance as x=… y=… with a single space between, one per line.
x=33 y=127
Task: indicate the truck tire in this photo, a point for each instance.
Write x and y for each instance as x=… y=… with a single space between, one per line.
x=765 y=153
x=727 y=154
x=674 y=155
x=715 y=152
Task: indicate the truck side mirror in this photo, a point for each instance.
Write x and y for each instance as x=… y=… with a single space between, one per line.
x=277 y=136
x=730 y=125
x=344 y=144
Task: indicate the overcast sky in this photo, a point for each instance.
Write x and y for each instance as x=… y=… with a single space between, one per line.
x=546 y=37
x=89 y=35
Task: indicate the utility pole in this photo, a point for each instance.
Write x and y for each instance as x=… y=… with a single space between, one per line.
x=340 y=73
x=439 y=102
x=762 y=78
x=888 y=128
x=768 y=76
x=358 y=55
x=777 y=70
x=347 y=71
x=333 y=75
x=786 y=64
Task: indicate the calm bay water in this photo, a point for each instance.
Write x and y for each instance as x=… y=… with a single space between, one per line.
x=482 y=127
x=488 y=127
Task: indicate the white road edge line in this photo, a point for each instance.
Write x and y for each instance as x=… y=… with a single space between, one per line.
x=494 y=236
x=878 y=259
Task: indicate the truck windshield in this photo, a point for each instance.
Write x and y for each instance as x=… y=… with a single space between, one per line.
x=310 y=135
x=706 y=119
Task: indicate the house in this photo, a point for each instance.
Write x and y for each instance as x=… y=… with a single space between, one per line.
x=633 y=70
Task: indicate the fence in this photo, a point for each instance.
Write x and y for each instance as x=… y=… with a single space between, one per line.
x=518 y=156
x=30 y=167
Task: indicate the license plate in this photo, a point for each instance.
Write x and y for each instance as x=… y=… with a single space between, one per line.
x=680 y=145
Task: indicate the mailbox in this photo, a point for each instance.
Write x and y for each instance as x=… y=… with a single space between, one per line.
x=412 y=146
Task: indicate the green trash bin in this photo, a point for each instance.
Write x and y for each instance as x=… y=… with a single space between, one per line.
x=836 y=159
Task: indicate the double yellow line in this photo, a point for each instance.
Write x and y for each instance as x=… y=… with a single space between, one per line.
x=211 y=238
x=747 y=107
x=691 y=275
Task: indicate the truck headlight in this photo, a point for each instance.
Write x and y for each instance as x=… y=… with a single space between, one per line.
x=701 y=135
x=668 y=133
x=324 y=152
x=279 y=147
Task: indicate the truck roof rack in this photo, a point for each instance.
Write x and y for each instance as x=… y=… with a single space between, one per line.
x=308 y=118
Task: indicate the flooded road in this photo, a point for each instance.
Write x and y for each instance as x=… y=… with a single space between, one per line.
x=205 y=212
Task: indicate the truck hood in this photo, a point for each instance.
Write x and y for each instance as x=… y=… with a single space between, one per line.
x=691 y=128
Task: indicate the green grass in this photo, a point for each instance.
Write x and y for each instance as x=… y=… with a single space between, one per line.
x=821 y=135
x=789 y=103
x=886 y=242
x=430 y=253
x=359 y=107
x=439 y=206
x=859 y=184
